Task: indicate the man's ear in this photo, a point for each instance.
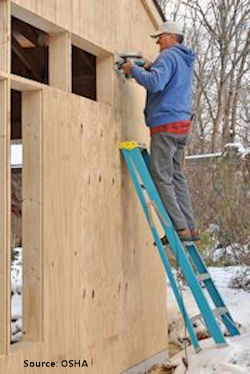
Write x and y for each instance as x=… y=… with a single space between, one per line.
x=174 y=37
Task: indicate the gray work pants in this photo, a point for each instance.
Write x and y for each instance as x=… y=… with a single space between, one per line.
x=166 y=152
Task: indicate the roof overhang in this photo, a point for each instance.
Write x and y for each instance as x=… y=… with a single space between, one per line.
x=159 y=10
x=154 y=11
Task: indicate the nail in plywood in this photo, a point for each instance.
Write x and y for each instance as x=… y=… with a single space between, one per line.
x=32 y=219
x=4 y=217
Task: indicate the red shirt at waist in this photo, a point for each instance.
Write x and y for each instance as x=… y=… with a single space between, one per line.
x=178 y=128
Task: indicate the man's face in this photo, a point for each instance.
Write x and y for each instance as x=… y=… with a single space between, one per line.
x=166 y=41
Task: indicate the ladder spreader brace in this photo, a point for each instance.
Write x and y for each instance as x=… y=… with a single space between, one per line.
x=186 y=253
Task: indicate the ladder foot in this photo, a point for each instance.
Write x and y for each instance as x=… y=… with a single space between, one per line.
x=197 y=350
x=221 y=345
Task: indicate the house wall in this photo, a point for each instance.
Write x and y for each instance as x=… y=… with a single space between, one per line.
x=94 y=285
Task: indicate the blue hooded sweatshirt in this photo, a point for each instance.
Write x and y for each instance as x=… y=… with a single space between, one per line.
x=169 y=85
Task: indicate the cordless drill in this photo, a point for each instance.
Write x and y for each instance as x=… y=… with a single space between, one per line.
x=124 y=57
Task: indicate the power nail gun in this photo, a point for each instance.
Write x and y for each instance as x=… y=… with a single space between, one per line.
x=123 y=57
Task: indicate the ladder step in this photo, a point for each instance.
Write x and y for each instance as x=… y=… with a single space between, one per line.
x=216 y=312
x=203 y=276
x=186 y=253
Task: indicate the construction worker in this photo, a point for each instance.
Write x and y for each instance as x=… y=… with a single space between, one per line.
x=167 y=114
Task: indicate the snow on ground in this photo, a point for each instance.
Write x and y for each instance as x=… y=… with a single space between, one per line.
x=237 y=147
x=16 y=295
x=16 y=154
x=232 y=253
x=233 y=359
x=206 y=156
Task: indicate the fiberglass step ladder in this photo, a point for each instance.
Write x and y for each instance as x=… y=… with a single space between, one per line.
x=187 y=256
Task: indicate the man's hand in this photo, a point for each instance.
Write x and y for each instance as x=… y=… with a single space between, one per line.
x=127 y=68
x=148 y=63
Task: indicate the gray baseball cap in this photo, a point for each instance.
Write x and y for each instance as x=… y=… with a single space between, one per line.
x=168 y=27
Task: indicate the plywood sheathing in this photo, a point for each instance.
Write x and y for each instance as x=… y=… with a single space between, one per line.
x=95 y=224
x=112 y=25
x=103 y=283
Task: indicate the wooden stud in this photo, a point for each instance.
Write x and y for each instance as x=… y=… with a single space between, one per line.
x=5 y=35
x=33 y=19
x=60 y=61
x=5 y=209
x=105 y=79
x=87 y=46
x=32 y=215
x=24 y=84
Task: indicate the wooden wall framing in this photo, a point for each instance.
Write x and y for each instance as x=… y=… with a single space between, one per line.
x=60 y=55
x=32 y=216
x=4 y=216
x=5 y=35
x=4 y=177
x=31 y=101
x=93 y=284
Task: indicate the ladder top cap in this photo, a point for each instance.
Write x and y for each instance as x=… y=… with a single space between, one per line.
x=130 y=145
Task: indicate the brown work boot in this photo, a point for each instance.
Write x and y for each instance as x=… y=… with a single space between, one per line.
x=195 y=234
x=184 y=235
x=164 y=240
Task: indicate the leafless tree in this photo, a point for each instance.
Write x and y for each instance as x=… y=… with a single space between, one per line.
x=163 y=5
x=219 y=32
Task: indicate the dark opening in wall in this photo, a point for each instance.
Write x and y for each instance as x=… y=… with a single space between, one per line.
x=16 y=218
x=16 y=115
x=16 y=164
x=83 y=73
x=29 y=51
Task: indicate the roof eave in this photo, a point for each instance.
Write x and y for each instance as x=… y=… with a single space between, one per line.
x=159 y=10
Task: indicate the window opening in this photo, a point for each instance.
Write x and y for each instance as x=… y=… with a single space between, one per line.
x=83 y=73
x=29 y=51
x=16 y=218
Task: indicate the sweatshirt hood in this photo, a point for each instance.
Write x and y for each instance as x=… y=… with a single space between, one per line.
x=185 y=52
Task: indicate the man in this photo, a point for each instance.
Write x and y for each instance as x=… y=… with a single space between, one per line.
x=167 y=113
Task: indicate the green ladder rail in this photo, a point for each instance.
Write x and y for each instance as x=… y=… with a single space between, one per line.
x=187 y=256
